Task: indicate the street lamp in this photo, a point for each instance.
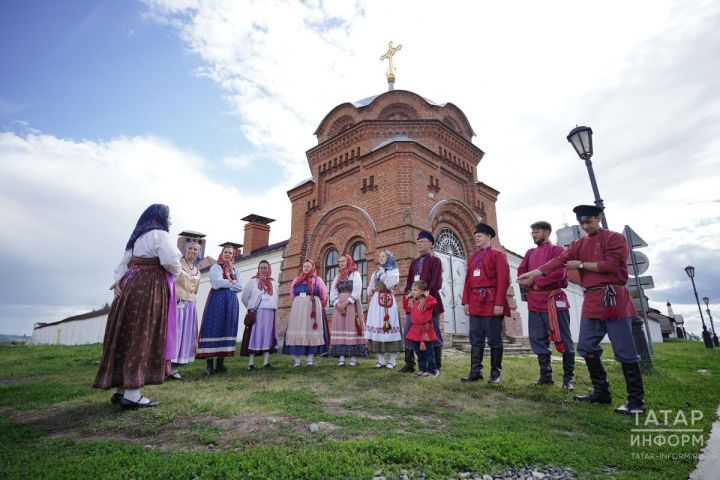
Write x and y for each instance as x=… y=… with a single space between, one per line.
x=712 y=325
x=690 y=270
x=581 y=140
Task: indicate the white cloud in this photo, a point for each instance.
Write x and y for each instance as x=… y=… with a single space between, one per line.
x=70 y=207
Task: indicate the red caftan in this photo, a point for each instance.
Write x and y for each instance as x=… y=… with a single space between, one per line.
x=610 y=251
x=421 y=329
x=486 y=283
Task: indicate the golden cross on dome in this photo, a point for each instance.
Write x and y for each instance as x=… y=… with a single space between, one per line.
x=389 y=56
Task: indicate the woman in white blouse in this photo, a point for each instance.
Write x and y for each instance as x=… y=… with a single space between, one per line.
x=136 y=332
x=218 y=333
x=383 y=331
x=346 y=330
x=260 y=295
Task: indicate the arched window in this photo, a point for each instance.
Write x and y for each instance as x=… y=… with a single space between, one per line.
x=330 y=266
x=449 y=243
x=358 y=254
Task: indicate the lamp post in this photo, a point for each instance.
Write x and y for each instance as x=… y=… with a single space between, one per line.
x=712 y=325
x=581 y=140
x=690 y=270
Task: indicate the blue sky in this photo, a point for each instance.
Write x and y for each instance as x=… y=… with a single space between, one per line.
x=209 y=107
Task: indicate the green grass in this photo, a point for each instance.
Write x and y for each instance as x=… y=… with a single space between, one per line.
x=256 y=424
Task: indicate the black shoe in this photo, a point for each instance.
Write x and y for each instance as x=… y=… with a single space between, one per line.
x=251 y=367
x=636 y=393
x=598 y=377
x=221 y=369
x=409 y=362
x=267 y=365
x=209 y=371
x=129 y=404
x=544 y=360
x=568 y=371
x=476 y=358
x=115 y=399
x=174 y=376
x=496 y=354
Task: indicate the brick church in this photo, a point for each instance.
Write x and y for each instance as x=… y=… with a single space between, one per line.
x=384 y=168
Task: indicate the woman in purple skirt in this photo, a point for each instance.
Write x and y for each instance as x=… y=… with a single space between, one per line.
x=260 y=295
x=186 y=288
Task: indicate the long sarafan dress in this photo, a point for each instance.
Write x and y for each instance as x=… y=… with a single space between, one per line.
x=218 y=333
x=136 y=331
x=383 y=331
x=186 y=287
x=346 y=329
x=263 y=336
x=305 y=334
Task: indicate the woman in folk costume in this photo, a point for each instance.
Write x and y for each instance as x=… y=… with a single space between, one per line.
x=346 y=329
x=383 y=330
x=218 y=333
x=261 y=296
x=305 y=334
x=136 y=331
x=186 y=288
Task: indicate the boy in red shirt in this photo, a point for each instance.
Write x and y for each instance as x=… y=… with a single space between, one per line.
x=422 y=334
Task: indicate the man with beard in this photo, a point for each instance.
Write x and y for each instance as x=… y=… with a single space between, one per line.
x=548 y=306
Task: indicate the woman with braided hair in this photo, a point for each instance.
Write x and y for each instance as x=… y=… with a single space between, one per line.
x=305 y=334
x=382 y=330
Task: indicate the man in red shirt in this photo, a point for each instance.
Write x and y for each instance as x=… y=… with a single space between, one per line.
x=428 y=268
x=485 y=301
x=600 y=259
x=548 y=307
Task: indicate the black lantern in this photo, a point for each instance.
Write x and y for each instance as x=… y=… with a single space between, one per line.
x=581 y=140
x=690 y=270
x=707 y=337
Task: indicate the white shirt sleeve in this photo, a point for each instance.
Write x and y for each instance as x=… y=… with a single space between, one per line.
x=168 y=253
x=216 y=278
x=391 y=278
x=122 y=269
x=334 y=294
x=238 y=287
x=357 y=287
x=247 y=292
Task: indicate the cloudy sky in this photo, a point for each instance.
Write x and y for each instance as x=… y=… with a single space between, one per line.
x=209 y=107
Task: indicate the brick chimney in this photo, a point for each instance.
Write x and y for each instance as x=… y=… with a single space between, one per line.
x=257 y=232
x=187 y=236
x=671 y=314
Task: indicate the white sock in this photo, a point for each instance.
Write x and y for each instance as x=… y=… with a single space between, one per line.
x=266 y=358
x=381 y=358
x=352 y=360
x=341 y=359
x=251 y=360
x=297 y=359
x=310 y=358
x=132 y=394
x=393 y=358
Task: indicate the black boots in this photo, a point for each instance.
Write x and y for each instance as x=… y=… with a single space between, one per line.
x=568 y=371
x=476 y=358
x=544 y=360
x=210 y=370
x=496 y=354
x=633 y=379
x=409 y=362
x=598 y=377
x=220 y=365
x=438 y=357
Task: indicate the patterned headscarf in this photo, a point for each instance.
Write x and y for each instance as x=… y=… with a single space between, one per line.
x=390 y=262
x=350 y=267
x=155 y=217
x=265 y=281
x=227 y=266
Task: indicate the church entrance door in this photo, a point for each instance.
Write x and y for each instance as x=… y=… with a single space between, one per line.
x=452 y=255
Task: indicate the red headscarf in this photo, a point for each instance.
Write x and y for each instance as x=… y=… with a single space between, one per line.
x=307 y=277
x=265 y=281
x=228 y=270
x=350 y=267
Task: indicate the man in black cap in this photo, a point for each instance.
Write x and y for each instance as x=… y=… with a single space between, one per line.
x=549 y=318
x=426 y=267
x=485 y=300
x=600 y=259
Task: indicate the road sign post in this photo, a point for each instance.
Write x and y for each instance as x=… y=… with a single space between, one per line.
x=634 y=241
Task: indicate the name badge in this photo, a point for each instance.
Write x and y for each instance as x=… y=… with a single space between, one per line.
x=265 y=296
x=560 y=303
x=303 y=294
x=476 y=272
x=417 y=277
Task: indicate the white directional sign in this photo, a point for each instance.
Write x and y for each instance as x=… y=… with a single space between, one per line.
x=642 y=261
x=634 y=238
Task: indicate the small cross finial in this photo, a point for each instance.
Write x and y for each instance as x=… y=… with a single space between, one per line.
x=391 y=69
